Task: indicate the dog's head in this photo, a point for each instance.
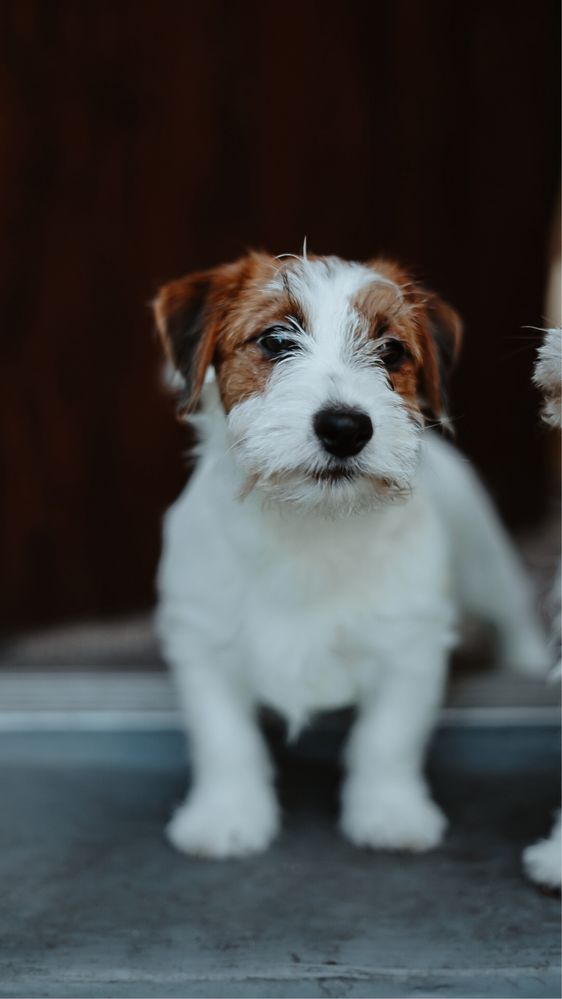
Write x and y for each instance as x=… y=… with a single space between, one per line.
x=327 y=370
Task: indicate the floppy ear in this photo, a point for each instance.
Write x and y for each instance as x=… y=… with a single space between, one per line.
x=442 y=335
x=187 y=330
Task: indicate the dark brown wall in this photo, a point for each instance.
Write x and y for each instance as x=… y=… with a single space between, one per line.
x=142 y=139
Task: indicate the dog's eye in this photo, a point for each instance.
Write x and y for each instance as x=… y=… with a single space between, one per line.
x=391 y=352
x=277 y=342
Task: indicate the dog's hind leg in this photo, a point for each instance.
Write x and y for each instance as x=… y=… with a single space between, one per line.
x=489 y=578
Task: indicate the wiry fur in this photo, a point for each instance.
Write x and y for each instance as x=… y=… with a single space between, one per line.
x=282 y=585
x=548 y=376
x=543 y=860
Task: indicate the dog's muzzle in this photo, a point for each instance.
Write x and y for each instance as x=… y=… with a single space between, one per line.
x=342 y=431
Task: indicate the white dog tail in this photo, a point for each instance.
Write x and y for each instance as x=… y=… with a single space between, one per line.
x=490 y=580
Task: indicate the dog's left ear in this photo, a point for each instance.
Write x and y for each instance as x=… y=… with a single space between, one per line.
x=442 y=335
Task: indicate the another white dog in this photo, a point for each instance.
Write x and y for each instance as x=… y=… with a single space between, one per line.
x=543 y=860
x=323 y=548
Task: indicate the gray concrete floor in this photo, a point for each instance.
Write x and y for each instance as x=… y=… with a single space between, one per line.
x=95 y=904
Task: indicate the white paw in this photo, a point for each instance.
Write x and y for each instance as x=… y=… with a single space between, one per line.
x=542 y=861
x=225 y=823
x=527 y=652
x=391 y=817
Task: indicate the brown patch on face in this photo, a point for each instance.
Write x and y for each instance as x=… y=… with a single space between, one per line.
x=241 y=366
x=212 y=316
x=429 y=329
x=215 y=317
x=390 y=316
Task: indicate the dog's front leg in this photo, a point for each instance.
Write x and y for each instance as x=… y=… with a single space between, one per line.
x=231 y=809
x=385 y=801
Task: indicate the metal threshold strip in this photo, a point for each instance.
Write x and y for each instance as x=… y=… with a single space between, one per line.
x=50 y=700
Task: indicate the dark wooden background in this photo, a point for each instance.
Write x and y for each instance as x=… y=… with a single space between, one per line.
x=143 y=139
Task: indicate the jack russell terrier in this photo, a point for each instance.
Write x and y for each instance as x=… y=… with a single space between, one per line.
x=327 y=542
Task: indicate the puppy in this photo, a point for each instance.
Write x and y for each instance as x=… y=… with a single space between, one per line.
x=326 y=543
x=543 y=860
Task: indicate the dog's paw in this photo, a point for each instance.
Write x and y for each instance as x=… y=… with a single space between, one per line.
x=225 y=825
x=391 y=818
x=526 y=652
x=542 y=862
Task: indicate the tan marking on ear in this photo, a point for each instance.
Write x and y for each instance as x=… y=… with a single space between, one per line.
x=203 y=317
x=442 y=330
x=186 y=331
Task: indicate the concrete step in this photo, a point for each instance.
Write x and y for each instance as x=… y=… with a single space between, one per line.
x=96 y=904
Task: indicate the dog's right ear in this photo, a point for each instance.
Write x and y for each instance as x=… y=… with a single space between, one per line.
x=188 y=329
x=191 y=314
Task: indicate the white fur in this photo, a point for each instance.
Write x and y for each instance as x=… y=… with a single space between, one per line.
x=548 y=375
x=272 y=433
x=543 y=860
x=489 y=582
x=306 y=595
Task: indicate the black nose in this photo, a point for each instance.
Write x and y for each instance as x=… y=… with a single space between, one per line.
x=343 y=432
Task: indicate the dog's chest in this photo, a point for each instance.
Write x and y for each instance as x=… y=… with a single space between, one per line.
x=321 y=616
x=305 y=662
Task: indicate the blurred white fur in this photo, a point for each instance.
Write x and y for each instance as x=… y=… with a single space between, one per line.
x=548 y=375
x=543 y=860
